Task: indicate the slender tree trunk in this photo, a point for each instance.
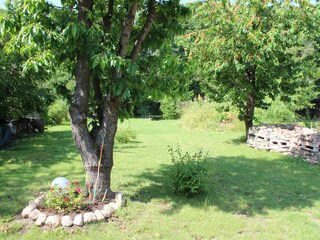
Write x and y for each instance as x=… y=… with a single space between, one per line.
x=248 y=119
x=249 y=113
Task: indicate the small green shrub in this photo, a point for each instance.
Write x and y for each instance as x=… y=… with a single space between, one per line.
x=278 y=112
x=125 y=135
x=189 y=174
x=69 y=199
x=309 y=122
x=170 y=109
x=58 y=111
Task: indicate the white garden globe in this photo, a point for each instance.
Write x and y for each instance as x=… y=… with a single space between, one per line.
x=60 y=182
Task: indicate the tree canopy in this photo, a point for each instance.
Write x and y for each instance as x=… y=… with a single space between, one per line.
x=244 y=49
x=117 y=52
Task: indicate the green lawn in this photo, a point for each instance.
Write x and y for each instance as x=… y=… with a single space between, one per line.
x=252 y=194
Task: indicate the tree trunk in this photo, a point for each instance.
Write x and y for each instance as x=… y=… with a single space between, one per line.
x=98 y=168
x=106 y=137
x=249 y=113
x=250 y=105
x=98 y=173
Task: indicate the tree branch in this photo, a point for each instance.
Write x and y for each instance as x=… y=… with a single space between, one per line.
x=127 y=29
x=144 y=31
x=107 y=18
x=79 y=104
x=83 y=7
x=98 y=97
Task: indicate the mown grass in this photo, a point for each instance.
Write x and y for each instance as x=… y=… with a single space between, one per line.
x=251 y=194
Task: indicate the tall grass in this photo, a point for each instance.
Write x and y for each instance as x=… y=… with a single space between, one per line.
x=210 y=116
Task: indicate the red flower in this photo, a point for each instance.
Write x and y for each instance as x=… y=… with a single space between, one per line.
x=66 y=199
x=76 y=183
x=78 y=190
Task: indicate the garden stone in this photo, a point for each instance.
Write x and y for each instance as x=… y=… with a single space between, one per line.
x=105 y=213
x=120 y=201
x=67 y=221
x=56 y=221
x=89 y=217
x=99 y=215
x=78 y=220
x=109 y=209
x=114 y=205
x=32 y=202
x=34 y=214
x=27 y=210
x=41 y=219
x=39 y=199
x=49 y=221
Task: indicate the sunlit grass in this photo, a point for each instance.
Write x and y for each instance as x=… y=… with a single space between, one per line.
x=251 y=194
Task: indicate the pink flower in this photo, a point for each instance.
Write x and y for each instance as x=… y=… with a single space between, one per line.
x=76 y=183
x=78 y=190
x=66 y=199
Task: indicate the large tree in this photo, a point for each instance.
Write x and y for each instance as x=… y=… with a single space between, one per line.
x=243 y=49
x=115 y=49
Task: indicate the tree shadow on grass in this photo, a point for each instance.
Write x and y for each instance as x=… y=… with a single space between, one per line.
x=41 y=150
x=241 y=185
x=125 y=147
x=28 y=166
x=237 y=141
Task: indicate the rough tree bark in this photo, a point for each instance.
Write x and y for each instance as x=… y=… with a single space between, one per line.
x=108 y=105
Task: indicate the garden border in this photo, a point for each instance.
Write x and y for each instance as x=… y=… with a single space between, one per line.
x=32 y=212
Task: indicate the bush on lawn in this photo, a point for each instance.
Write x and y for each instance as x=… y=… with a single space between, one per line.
x=189 y=174
x=126 y=135
x=170 y=109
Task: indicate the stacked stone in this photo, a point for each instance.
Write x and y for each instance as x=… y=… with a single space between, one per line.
x=308 y=146
x=41 y=219
x=286 y=139
x=281 y=138
x=259 y=136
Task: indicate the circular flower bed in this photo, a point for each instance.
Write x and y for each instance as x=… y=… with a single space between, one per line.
x=80 y=216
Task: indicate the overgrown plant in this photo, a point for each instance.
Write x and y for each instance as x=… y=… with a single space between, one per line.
x=126 y=135
x=66 y=199
x=278 y=112
x=209 y=116
x=169 y=108
x=58 y=112
x=189 y=174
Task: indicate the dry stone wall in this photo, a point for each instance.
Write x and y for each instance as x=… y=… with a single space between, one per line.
x=287 y=139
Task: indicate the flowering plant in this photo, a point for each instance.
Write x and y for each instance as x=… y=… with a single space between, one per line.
x=66 y=199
